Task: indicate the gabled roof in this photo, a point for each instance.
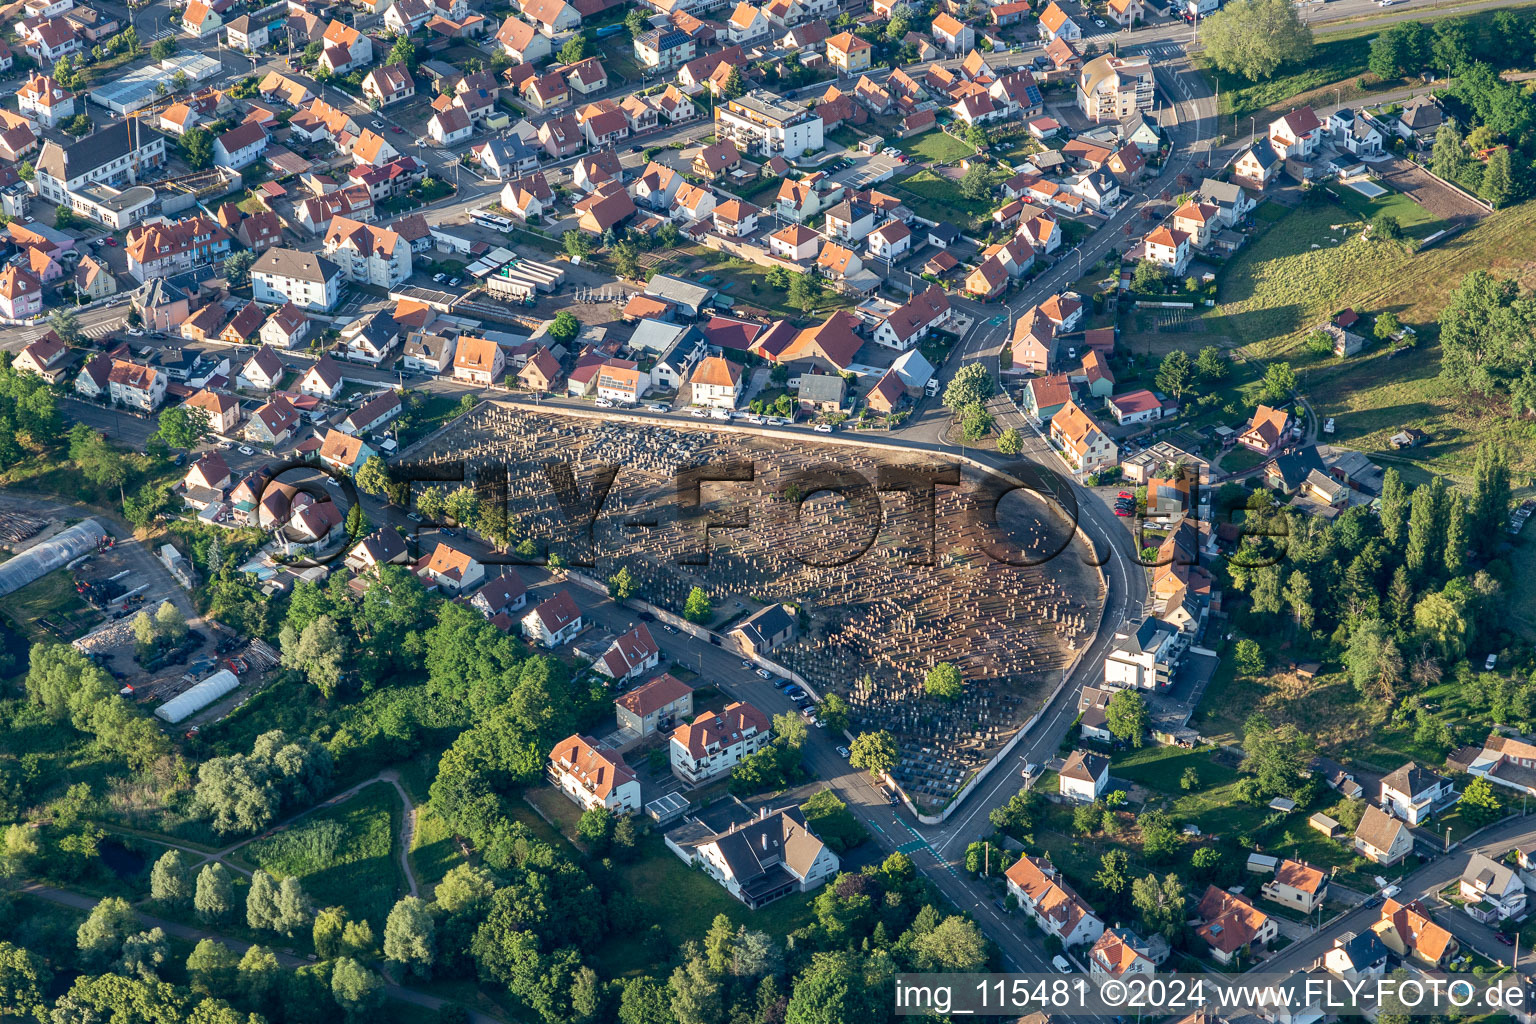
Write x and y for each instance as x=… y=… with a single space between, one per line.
x=720 y=729
x=665 y=689
x=579 y=757
x=557 y=612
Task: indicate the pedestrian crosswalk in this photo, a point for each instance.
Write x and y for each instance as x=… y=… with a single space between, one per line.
x=920 y=845
x=101 y=330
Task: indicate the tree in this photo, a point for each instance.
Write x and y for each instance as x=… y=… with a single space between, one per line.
x=1111 y=876
x=874 y=751
x=403 y=52
x=944 y=681
x=24 y=980
x=698 y=607
x=237 y=268
x=1374 y=662
x=1276 y=756
x=214 y=897
x=976 y=135
x=972 y=384
x=574 y=50
x=804 y=291
x=1480 y=803
x=356 y=989
x=1253 y=38
x=162 y=48
x=595 y=827
x=1161 y=903
x=181 y=427
x=197 y=147
x=372 y=477
x=318 y=651
x=777 y=277
x=975 y=422
x=635 y=21
x=169 y=881
x=1127 y=717
x=294 y=909
x=1320 y=343
x=734 y=86
x=576 y=245
x=789 y=730
x=261 y=902
x=1248 y=656
x=976 y=184
x=1175 y=373
x=955 y=944
x=1498 y=186
x=626 y=259
x=1149 y=278
x=564 y=327
x=66 y=325
x=1211 y=365
x=100 y=936
x=1279 y=379
x=144 y=954
x=211 y=968
x=1386 y=325
x=1490 y=495
x=696 y=995
x=169 y=622
x=1298 y=594
x=409 y=936
x=1010 y=442
x=1386 y=228
x=833 y=712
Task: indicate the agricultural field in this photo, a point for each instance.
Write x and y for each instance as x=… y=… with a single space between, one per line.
x=343 y=855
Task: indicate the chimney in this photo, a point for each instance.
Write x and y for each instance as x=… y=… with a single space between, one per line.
x=765 y=842
x=762 y=813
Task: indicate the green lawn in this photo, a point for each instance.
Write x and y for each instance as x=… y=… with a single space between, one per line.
x=344 y=855
x=684 y=901
x=935 y=147
x=433 y=850
x=1337 y=62
x=747 y=285
x=50 y=609
x=936 y=197
x=1239 y=460
x=845 y=136
x=1416 y=221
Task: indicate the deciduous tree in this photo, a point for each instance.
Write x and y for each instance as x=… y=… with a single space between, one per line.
x=1254 y=38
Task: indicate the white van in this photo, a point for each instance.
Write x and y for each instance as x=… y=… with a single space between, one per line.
x=1060 y=963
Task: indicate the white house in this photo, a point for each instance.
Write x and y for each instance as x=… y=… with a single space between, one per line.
x=593 y=778
x=322 y=380
x=450 y=570
x=766 y=858
x=308 y=281
x=1493 y=891
x=1297 y=885
x=1060 y=912
x=912 y=321
x=1413 y=793
x=1382 y=838
x=715 y=742
x=1083 y=777
x=1119 y=953
x=630 y=656
x=1144 y=658
x=553 y=621
x=1297 y=134
x=716 y=382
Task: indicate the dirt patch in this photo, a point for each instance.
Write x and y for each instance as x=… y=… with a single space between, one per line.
x=1444 y=202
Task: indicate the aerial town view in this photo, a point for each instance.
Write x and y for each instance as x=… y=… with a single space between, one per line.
x=708 y=512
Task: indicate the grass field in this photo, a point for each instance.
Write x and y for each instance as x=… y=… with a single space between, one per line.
x=1337 y=62
x=433 y=851
x=684 y=901
x=344 y=855
x=935 y=197
x=746 y=284
x=1416 y=221
x=50 y=609
x=935 y=147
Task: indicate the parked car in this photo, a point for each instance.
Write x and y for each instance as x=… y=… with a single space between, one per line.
x=843 y=752
x=745 y=663
x=765 y=673
x=823 y=428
